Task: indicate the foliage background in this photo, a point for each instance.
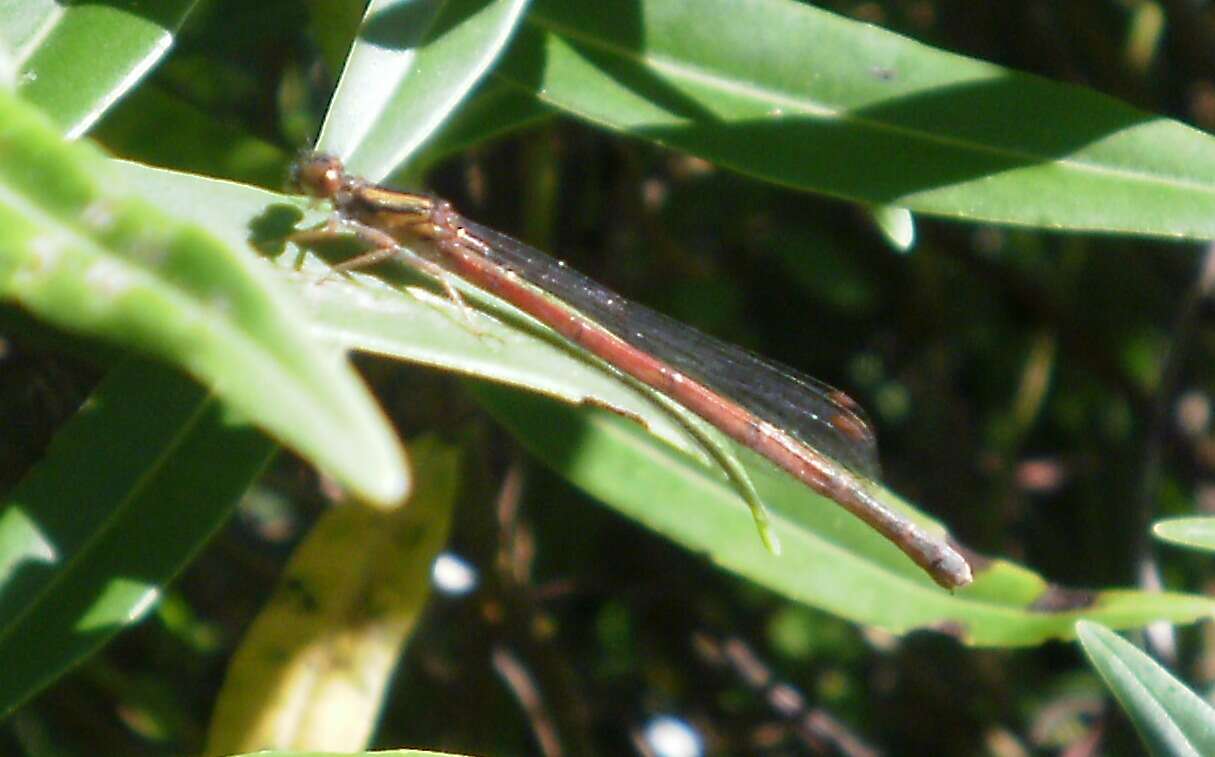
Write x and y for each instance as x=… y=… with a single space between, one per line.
x=1015 y=378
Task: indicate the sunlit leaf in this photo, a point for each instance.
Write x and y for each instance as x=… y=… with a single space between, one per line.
x=411 y=65
x=804 y=98
x=1189 y=532
x=75 y=60
x=78 y=252
x=1170 y=718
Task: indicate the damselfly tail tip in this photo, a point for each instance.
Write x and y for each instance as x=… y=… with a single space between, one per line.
x=951 y=571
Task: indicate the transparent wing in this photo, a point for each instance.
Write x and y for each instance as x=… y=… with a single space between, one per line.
x=816 y=413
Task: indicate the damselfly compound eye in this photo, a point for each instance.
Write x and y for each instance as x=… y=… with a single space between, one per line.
x=318 y=175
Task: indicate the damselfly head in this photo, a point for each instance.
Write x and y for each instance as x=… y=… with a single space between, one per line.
x=318 y=175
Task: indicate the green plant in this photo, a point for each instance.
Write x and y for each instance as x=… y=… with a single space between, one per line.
x=194 y=271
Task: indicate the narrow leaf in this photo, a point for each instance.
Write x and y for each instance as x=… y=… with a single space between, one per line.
x=411 y=65
x=828 y=559
x=129 y=490
x=1188 y=532
x=75 y=60
x=79 y=253
x=801 y=97
x=1170 y=718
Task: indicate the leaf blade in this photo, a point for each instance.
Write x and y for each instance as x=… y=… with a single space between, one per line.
x=825 y=104
x=408 y=70
x=76 y=61
x=1170 y=718
x=78 y=251
x=1188 y=532
x=171 y=471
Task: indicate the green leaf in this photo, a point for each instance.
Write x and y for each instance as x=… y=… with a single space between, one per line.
x=1170 y=718
x=411 y=65
x=655 y=474
x=1188 y=532
x=804 y=98
x=721 y=452
x=203 y=144
x=828 y=559
x=128 y=491
x=79 y=253
x=76 y=60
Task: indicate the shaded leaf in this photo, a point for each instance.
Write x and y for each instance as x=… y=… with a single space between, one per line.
x=129 y=490
x=493 y=110
x=134 y=129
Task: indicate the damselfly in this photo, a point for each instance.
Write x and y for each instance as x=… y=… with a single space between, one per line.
x=814 y=432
